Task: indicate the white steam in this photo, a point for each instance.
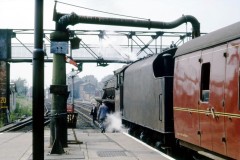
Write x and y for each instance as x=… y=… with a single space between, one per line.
x=109 y=42
x=113 y=123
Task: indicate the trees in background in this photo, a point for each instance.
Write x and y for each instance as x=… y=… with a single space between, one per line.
x=21 y=86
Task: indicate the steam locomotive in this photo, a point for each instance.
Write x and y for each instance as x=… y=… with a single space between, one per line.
x=187 y=95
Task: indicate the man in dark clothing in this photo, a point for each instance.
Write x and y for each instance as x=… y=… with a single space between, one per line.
x=93 y=113
x=102 y=114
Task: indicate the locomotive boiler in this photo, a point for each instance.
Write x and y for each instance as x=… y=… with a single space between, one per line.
x=189 y=95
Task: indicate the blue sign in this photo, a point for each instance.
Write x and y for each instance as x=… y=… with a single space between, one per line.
x=59 y=47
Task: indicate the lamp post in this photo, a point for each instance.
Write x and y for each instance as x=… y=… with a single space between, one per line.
x=72 y=75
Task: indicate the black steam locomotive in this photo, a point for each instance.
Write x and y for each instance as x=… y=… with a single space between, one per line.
x=162 y=97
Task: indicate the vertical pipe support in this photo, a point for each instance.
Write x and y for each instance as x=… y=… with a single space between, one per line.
x=60 y=95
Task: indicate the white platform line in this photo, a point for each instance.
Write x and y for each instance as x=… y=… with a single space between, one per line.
x=154 y=149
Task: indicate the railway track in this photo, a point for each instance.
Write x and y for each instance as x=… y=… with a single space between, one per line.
x=84 y=118
x=25 y=125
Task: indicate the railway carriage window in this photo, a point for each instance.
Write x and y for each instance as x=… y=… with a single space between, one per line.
x=205 y=81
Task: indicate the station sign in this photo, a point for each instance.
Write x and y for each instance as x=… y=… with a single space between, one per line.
x=59 y=47
x=3 y=85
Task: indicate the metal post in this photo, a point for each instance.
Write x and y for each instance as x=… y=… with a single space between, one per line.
x=38 y=84
x=72 y=91
x=59 y=89
x=57 y=145
x=58 y=100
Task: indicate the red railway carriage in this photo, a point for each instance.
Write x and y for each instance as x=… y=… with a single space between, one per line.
x=206 y=94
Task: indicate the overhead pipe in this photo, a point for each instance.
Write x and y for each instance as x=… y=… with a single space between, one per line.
x=64 y=20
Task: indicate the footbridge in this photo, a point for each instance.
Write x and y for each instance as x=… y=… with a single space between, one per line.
x=98 y=46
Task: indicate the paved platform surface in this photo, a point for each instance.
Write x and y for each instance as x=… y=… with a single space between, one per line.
x=92 y=146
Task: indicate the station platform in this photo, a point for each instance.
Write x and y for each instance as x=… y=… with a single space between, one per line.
x=82 y=145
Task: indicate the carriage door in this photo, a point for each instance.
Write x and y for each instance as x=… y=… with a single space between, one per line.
x=204 y=118
x=211 y=106
x=216 y=100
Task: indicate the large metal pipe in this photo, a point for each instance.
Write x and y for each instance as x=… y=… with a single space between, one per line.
x=71 y=19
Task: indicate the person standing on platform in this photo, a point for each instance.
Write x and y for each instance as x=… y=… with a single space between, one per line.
x=93 y=113
x=102 y=115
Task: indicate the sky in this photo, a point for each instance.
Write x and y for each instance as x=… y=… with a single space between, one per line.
x=19 y=14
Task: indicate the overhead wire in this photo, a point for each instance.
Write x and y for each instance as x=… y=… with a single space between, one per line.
x=95 y=10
